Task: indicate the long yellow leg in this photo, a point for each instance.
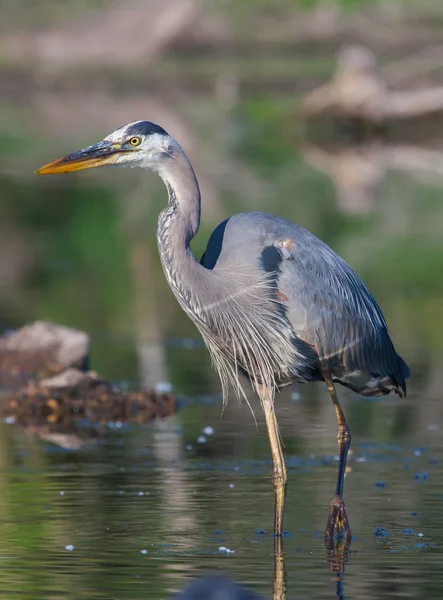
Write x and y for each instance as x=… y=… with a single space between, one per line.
x=338 y=518
x=279 y=476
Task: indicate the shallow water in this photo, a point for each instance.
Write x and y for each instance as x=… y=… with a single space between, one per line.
x=148 y=508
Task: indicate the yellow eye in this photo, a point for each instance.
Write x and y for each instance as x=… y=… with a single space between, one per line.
x=135 y=141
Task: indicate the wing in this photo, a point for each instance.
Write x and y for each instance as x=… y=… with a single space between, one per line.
x=328 y=306
x=331 y=308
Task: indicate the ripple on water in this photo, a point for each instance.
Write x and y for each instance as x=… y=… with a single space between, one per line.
x=142 y=512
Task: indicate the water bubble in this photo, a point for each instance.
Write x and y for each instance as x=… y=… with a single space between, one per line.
x=188 y=446
x=62 y=493
x=201 y=439
x=295 y=396
x=420 y=534
x=69 y=547
x=380 y=532
x=143 y=551
x=231 y=485
x=208 y=430
x=226 y=550
x=10 y=420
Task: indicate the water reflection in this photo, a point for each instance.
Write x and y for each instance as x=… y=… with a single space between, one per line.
x=155 y=488
x=215 y=588
x=358 y=170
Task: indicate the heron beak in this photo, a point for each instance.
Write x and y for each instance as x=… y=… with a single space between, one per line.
x=98 y=155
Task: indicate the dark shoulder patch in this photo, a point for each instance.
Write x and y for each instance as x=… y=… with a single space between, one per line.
x=145 y=128
x=214 y=247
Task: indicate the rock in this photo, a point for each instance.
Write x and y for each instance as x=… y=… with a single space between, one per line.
x=40 y=350
x=70 y=379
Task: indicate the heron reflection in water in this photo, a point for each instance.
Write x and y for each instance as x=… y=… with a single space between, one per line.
x=272 y=301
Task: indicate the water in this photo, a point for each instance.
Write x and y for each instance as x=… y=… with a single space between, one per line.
x=147 y=509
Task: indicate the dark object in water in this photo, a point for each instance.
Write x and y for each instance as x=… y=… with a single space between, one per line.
x=213 y=587
x=96 y=401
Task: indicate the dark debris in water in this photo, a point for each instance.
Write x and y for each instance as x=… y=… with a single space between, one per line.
x=101 y=402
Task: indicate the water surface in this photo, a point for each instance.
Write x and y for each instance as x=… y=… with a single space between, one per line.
x=149 y=507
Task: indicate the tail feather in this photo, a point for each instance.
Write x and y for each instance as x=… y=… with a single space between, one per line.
x=374 y=384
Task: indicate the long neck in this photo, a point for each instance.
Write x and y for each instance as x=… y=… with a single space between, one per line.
x=177 y=225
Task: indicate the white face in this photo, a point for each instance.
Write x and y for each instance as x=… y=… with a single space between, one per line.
x=139 y=144
x=142 y=150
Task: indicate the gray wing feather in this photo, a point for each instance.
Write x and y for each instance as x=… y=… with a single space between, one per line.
x=333 y=310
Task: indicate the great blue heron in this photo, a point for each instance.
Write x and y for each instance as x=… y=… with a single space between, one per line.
x=272 y=301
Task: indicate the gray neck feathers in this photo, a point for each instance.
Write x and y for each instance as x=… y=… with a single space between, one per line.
x=177 y=225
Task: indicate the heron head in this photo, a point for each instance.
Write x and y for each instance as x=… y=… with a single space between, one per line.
x=139 y=144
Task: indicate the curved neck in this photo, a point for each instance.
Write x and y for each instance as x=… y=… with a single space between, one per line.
x=177 y=225
x=184 y=193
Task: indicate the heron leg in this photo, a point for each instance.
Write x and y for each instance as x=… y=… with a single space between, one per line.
x=279 y=475
x=338 y=518
x=279 y=581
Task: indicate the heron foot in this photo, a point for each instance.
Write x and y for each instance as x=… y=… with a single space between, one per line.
x=338 y=523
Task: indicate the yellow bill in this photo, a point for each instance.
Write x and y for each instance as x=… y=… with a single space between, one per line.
x=98 y=155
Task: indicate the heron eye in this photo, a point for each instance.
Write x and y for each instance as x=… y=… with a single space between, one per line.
x=135 y=141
